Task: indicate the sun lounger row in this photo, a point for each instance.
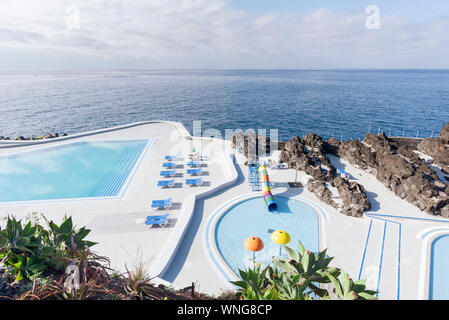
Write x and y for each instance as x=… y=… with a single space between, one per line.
x=172 y=165
x=192 y=157
x=172 y=173
x=166 y=204
x=171 y=183
x=194 y=171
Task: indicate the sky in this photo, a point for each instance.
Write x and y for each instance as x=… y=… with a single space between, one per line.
x=223 y=34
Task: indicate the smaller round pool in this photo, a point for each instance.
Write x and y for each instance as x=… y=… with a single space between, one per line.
x=251 y=218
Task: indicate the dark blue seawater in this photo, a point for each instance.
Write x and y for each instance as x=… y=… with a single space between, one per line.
x=330 y=103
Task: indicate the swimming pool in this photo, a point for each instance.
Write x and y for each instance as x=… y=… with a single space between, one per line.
x=439 y=265
x=70 y=171
x=250 y=217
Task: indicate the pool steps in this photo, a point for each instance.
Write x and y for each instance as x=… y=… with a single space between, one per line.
x=113 y=182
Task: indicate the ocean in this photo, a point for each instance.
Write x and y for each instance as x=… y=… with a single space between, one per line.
x=333 y=103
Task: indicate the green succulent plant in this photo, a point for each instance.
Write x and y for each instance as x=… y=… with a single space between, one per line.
x=66 y=234
x=347 y=289
x=303 y=276
x=30 y=249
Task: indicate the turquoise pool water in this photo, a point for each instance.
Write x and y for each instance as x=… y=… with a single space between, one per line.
x=439 y=266
x=75 y=170
x=251 y=218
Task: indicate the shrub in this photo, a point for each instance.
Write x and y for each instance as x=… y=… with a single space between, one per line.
x=30 y=249
x=302 y=277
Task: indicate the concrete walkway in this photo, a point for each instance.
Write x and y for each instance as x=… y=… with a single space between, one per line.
x=383 y=247
x=389 y=246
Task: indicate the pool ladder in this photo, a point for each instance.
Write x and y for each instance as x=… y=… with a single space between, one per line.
x=253 y=176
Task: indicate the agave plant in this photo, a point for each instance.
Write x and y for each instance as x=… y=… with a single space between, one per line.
x=307 y=271
x=300 y=277
x=351 y=290
x=21 y=249
x=31 y=249
x=66 y=234
x=18 y=238
x=25 y=267
x=255 y=285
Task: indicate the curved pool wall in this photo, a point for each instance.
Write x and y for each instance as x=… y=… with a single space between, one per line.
x=249 y=216
x=439 y=267
x=83 y=169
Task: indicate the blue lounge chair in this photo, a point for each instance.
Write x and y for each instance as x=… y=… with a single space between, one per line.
x=162 y=201
x=157 y=222
x=194 y=163
x=168 y=173
x=194 y=182
x=195 y=172
x=169 y=165
x=162 y=204
x=166 y=183
x=171 y=158
x=153 y=218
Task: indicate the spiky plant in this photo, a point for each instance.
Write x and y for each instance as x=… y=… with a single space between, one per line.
x=302 y=276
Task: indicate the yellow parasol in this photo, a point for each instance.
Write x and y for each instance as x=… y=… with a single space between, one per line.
x=280 y=237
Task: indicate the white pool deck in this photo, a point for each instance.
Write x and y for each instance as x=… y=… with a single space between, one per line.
x=389 y=246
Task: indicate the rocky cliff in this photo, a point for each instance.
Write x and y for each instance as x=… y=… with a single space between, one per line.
x=437 y=148
x=393 y=161
x=400 y=169
x=309 y=155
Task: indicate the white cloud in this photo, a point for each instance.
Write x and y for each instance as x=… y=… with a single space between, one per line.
x=209 y=33
x=9 y=166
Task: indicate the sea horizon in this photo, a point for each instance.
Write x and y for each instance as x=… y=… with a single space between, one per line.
x=218 y=69
x=345 y=104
